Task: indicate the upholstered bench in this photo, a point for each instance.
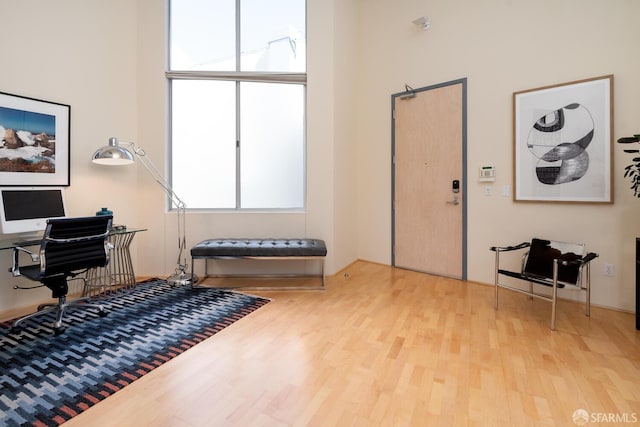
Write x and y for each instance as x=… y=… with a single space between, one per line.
x=262 y=249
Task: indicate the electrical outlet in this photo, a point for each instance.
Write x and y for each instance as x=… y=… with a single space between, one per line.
x=609 y=270
x=488 y=190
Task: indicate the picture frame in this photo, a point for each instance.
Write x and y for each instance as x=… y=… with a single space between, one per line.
x=35 y=142
x=563 y=142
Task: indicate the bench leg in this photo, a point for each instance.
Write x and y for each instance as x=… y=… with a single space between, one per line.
x=322 y=275
x=192 y=284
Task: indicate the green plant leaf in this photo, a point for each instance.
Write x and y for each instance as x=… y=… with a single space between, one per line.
x=628 y=139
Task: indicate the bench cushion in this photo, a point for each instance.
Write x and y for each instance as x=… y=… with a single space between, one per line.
x=259 y=248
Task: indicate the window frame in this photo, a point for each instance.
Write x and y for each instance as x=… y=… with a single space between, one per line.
x=237 y=76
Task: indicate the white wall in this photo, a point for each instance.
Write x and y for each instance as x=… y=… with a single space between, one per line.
x=345 y=155
x=501 y=46
x=106 y=59
x=81 y=53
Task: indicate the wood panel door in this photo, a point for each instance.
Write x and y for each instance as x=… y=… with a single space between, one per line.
x=429 y=155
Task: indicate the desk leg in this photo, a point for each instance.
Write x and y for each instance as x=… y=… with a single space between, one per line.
x=122 y=267
x=118 y=274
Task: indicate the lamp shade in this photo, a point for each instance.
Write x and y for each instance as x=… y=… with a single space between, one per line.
x=112 y=154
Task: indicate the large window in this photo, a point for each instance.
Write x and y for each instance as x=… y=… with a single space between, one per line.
x=237 y=75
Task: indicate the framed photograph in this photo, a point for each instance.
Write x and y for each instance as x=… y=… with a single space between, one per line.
x=563 y=138
x=34 y=144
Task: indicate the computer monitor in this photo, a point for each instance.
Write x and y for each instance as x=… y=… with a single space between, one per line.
x=26 y=209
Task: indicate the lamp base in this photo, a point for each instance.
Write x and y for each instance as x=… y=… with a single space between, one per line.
x=182 y=279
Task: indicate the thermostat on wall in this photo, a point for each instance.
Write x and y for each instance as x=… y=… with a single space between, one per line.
x=487 y=173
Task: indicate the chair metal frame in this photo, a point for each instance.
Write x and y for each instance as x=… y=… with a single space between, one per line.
x=69 y=248
x=567 y=269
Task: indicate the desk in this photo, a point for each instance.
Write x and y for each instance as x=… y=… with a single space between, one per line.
x=117 y=274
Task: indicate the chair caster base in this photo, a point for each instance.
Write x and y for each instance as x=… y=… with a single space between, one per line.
x=58 y=330
x=102 y=313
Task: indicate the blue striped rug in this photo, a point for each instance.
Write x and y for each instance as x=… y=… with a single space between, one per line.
x=47 y=379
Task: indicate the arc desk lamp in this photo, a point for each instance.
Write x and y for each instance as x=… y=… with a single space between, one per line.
x=116 y=154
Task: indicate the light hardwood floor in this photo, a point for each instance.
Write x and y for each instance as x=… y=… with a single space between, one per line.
x=389 y=347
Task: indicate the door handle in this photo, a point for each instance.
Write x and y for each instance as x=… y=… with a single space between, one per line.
x=455 y=200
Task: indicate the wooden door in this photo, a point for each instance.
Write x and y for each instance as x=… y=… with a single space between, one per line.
x=429 y=133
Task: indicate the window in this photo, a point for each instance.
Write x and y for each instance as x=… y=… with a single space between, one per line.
x=237 y=75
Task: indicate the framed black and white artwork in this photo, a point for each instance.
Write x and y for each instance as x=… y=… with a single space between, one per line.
x=34 y=144
x=563 y=142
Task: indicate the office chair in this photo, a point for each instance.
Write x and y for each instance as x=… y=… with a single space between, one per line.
x=69 y=247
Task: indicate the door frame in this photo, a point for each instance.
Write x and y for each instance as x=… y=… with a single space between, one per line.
x=410 y=93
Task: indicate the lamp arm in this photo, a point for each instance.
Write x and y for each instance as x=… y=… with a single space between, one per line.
x=155 y=173
x=175 y=200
